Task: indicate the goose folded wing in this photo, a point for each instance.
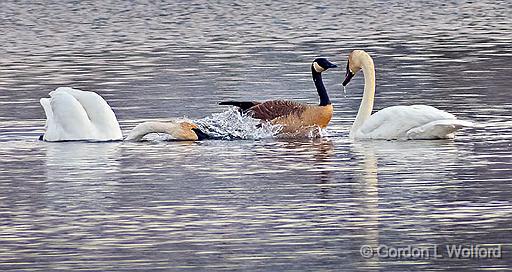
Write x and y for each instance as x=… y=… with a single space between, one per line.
x=276 y=108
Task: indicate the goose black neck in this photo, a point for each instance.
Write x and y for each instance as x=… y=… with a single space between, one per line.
x=320 y=88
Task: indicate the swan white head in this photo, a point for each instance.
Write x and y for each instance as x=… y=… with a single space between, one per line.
x=356 y=60
x=322 y=64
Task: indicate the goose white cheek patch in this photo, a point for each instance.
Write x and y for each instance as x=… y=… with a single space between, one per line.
x=318 y=68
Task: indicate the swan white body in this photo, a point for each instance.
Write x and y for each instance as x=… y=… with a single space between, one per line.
x=409 y=122
x=397 y=122
x=73 y=114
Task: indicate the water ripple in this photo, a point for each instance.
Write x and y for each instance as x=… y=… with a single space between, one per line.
x=253 y=205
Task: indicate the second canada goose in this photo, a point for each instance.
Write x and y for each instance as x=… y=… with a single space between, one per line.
x=290 y=114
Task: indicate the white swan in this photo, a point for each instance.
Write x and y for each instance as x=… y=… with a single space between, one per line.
x=397 y=122
x=75 y=115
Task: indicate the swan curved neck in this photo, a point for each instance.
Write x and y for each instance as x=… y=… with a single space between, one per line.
x=172 y=128
x=320 y=88
x=366 y=107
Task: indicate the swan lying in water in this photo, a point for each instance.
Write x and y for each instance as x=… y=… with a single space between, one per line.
x=75 y=115
x=397 y=122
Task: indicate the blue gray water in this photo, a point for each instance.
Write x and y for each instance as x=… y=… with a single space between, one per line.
x=253 y=205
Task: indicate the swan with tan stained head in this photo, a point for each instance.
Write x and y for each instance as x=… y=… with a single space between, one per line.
x=397 y=122
x=76 y=115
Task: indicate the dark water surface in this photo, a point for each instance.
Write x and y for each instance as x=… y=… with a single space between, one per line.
x=269 y=205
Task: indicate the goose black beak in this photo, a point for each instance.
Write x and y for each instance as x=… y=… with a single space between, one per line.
x=348 y=76
x=332 y=65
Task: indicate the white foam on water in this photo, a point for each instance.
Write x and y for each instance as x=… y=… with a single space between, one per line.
x=231 y=125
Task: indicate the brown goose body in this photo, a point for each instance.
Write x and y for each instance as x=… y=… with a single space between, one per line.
x=291 y=115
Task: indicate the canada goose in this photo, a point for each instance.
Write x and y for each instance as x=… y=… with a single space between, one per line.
x=291 y=115
x=397 y=122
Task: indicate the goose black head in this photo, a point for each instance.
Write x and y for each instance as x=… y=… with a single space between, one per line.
x=321 y=64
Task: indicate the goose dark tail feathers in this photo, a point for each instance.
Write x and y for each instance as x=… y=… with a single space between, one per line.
x=243 y=105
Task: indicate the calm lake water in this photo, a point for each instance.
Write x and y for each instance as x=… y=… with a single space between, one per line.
x=253 y=205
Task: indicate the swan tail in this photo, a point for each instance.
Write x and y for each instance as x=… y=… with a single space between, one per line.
x=45 y=103
x=440 y=129
x=243 y=105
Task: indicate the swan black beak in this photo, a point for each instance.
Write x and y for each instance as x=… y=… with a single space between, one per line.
x=348 y=76
x=200 y=134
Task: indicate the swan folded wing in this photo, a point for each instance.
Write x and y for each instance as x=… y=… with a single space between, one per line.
x=79 y=115
x=69 y=119
x=395 y=122
x=276 y=108
x=440 y=129
x=98 y=112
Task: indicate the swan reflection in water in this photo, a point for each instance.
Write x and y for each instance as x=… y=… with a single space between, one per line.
x=81 y=172
x=389 y=188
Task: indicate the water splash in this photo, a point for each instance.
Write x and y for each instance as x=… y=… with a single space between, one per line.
x=311 y=132
x=230 y=125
